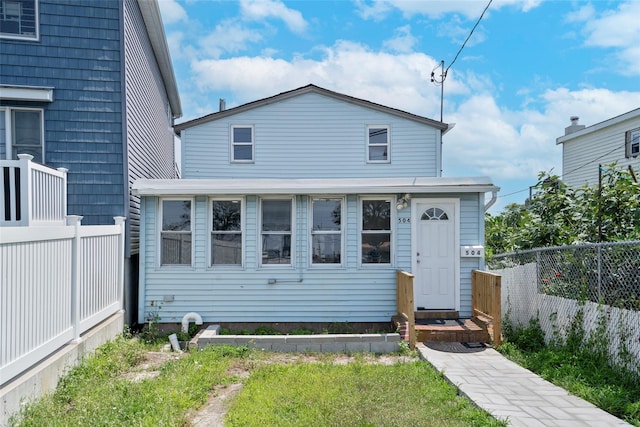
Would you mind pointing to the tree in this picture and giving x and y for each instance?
(558, 215)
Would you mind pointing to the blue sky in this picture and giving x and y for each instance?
(528, 66)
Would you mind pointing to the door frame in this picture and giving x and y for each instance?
(415, 218)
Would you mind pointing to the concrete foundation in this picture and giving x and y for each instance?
(326, 343)
(43, 377)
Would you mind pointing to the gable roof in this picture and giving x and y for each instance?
(310, 88)
(630, 115)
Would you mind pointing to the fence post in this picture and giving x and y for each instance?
(119, 220)
(599, 246)
(26, 188)
(75, 221)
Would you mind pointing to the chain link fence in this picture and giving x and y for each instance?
(607, 273)
(600, 283)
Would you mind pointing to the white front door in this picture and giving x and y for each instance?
(435, 255)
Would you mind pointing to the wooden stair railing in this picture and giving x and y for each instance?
(486, 302)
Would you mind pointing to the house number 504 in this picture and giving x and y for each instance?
(404, 220)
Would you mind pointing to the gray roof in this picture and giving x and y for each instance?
(304, 90)
(191, 187)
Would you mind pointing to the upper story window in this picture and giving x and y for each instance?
(21, 133)
(226, 232)
(378, 141)
(19, 19)
(242, 144)
(326, 231)
(276, 231)
(376, 231)
(632, 143)
(175, 235)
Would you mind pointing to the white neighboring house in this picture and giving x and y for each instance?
(584, 148)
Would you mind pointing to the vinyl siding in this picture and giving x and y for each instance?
(78, 54)
(302, 292)
(149, 136)
(310, 136)
(581, 155)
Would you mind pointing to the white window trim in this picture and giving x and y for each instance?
(8, 127)
(369, 145)
(341, 232)
(393, 220)
(293, 255)
(36, 36)
(160, 231)
(627, 142)
(242, 233)
(232, 144)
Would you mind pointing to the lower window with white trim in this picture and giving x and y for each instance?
(376, 233)
(176, 234)
(326, 231)
(276, 231)
(226, 232)
(21, 133)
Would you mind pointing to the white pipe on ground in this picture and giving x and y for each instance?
(189, 317)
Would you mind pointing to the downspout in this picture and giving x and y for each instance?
(494, 197)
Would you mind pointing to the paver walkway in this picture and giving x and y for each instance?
(511, 392)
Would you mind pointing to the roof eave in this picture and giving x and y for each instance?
(203, 187)
(153, 23)
(307, 89)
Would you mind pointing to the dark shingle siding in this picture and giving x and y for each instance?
(78, 54)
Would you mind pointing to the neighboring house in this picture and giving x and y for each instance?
(616, 140)
(88, 86)
(300, 208)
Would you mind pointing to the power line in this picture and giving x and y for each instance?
(468, 37)
(443, 75)
(592, 161)
(571, 171)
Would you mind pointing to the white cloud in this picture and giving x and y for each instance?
(615, 29)
(229, 36)
(258, 10)
(403, 41)
(397, 80)
(377, 10)
(172, 12)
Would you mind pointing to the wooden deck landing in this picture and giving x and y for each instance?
(451, 330)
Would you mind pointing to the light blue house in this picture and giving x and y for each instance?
(89, 86)
(301, 207)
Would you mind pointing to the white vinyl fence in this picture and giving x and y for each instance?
(56, 282)
(33, 194)
(555, 284)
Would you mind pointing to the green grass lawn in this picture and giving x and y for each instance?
(119, 386)
(585, 375)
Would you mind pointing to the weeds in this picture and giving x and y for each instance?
(579, 364)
